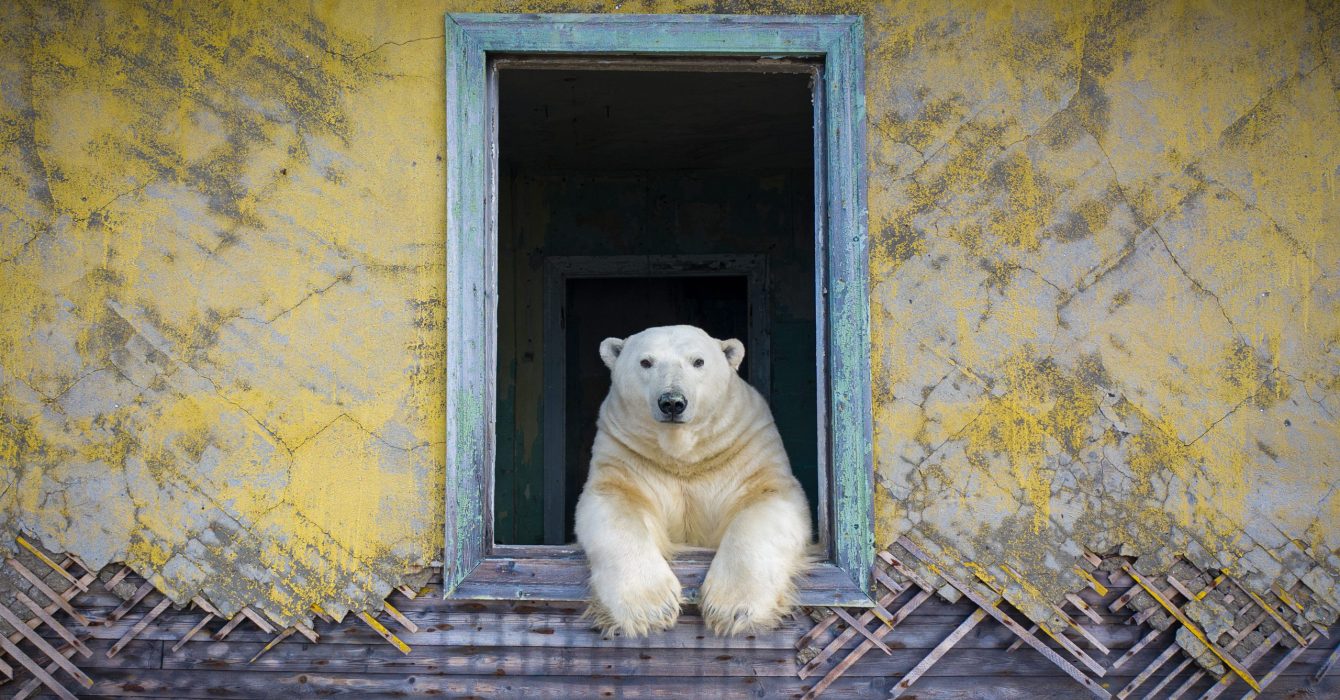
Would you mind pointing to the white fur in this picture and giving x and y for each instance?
(720, 479)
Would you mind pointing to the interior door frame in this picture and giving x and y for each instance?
(558, 270)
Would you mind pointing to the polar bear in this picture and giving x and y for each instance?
(686, 453)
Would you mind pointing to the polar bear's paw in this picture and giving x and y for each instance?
(739, 607)
(636, 608)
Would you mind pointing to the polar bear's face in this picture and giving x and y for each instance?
(678, 372)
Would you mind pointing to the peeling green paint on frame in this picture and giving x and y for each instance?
(842, 294)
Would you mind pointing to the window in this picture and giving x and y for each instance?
(539, 112)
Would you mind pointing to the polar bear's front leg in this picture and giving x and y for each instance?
(750, 583)
(633, 590)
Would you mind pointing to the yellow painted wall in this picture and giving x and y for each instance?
(1106, 240)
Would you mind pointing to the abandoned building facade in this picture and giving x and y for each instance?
(299, 309)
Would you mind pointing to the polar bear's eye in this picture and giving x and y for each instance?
(698, 362)
(646, 364)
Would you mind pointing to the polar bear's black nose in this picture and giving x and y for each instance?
(672, 403)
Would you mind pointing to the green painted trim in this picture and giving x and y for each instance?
(469, 404)
(472, 248)
(849, 308)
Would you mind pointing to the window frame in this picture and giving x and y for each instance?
(474, 568)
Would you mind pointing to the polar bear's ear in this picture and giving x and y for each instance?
(734, 351)
(610, 349)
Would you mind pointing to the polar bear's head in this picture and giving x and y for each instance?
(678, 372)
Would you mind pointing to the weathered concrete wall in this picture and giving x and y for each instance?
(1106, 311)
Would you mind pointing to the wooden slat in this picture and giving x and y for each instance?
(192, 632)
(819, 628)
(1171, 675)
(54, 566)
(307, 632)
(53, 596)
(1094, 584)
(1229, 678)
(1274, 614)
(862, 629)
(1180, 588)
(398, 617)
(907, 571)
(259, 621)
(205, 605)
(274, 642)
(895, 589)
(1192, 628)
(1326, 666)
(73, 671)
(920, 669)
(1279, 667)
(1009, 623)
(1123, 600)
(837, 643)
(1187, 685)
(228, 628)
(1142, 616)
(116, 578)
(55, 626)
(36, 669)
(36, 640)
(145, 589)
(1150, 636)
(1149, 670)
(1085, 608)
(1236, 638)
(139, 627)
(843, 666)
(384, 633)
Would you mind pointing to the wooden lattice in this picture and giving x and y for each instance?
(50, 666)
(1260, 624)
(1252, 612)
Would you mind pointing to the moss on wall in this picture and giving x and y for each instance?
(1105, 309)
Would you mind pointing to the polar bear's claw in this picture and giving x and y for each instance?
(636, 611)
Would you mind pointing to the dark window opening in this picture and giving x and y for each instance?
(689, 170)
